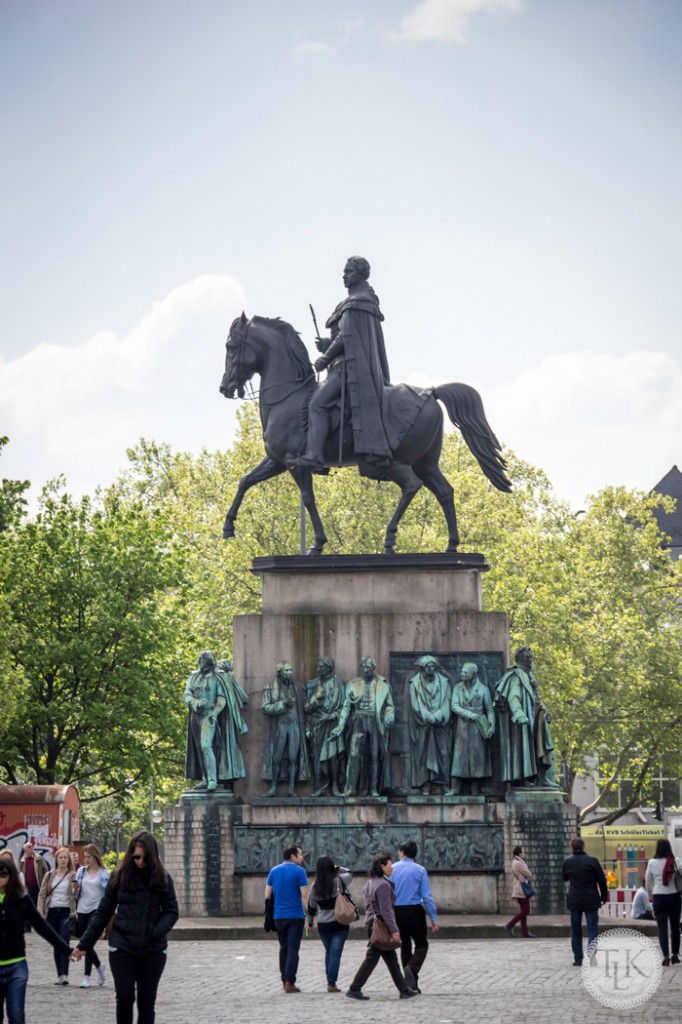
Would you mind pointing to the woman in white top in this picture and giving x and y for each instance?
(91, 882)
(57, 902)
(661, 874)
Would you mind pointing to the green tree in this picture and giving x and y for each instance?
(12, 501)
(94, 641)
(595, 596)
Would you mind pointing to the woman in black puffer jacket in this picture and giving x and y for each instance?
(142, 898)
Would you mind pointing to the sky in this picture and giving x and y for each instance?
(510, 168)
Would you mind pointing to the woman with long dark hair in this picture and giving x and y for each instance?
(17, 911)
(91, 884)
(378, 897)
(663, 874)
(329, 878)
(142, 896)
(57, 903)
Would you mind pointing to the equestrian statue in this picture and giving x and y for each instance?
(356, 417)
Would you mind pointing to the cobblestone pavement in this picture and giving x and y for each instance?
(476, 981)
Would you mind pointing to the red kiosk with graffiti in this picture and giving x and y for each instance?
(46, 816)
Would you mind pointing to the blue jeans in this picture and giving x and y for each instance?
(13, 981)
(289, 933)
(333, 943)
(58, 918)
(592, 922)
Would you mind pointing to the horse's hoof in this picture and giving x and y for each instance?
(451, 549)
(228, 532)
(314, 552)
(388, 550)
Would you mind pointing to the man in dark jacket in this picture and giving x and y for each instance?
(586, 893)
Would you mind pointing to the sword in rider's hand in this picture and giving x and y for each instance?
(317, 329)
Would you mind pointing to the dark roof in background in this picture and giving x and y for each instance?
(671, 522)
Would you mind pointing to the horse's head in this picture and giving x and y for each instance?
(260, 345)
(240, 359)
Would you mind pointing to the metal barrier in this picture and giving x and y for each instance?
(620, 903)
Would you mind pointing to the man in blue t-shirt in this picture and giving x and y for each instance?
(288, 883)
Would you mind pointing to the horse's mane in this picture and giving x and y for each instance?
(292, 340)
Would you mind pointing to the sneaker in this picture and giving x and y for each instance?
(86, 983)
(509, 931)
(357, 994)
(100, 974)
(674, 959)
(59, 979)
(529, 935)
(409, 993)
(65, 980)
(665, 963)
(411, 978)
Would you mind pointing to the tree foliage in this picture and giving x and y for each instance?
(12, 501)
(594, 594)
(106, 606)
(93, 630)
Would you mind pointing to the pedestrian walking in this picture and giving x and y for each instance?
(586, 892)
(34, 868)
(141, 895)
(329, 880)
(413, 901)
(520, 873)
(287, 883)
(57, 903)
(663, 879)
(91, 883)
(378, 898)
(17, 911)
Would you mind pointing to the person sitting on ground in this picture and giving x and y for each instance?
(642, 907)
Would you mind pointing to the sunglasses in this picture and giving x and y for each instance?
(4, 871)
(138, 856)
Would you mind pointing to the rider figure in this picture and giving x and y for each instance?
(356, 350)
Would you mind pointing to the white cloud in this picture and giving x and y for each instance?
(590, 420)
(310, 46)
(445, 20)
(74, 409)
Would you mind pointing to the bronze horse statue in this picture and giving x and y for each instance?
(273, 349)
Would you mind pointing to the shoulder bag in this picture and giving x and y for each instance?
(528, 888)
(381, 938)
(345, 911)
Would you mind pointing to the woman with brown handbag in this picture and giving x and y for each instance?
(330, 879)
(378, 897)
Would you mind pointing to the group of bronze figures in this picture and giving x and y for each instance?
(336, 734)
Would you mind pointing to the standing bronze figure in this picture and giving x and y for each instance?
(407, 420)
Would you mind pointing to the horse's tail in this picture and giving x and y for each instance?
(465, 409)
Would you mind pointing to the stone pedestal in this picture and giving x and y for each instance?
(394, 608)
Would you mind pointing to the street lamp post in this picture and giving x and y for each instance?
(118, 818)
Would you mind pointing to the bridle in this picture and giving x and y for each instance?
(242, 338)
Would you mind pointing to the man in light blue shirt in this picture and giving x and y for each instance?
(413, 900)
